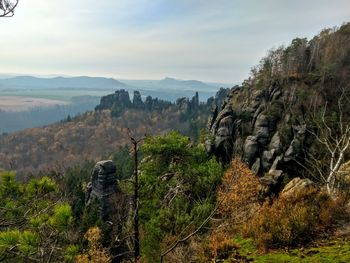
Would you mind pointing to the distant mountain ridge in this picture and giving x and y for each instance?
(166, 89)
(99, 82)
(62, 82)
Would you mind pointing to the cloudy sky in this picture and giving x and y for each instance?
(149, 39)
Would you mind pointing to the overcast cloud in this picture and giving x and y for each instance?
(189, 39)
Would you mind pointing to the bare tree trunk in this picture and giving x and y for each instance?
(336, 142)
(135, 144)
(136, 207)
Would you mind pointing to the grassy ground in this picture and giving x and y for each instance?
(337, 251)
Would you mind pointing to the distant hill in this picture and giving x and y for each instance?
(62, 82)
(166, 89)
(102, 82)
(175, 84)
(97, 134)
(171, 88)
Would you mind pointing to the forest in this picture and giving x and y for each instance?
(262, 176)
(13, 121)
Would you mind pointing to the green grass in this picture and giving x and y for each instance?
(54, 94)
(335, 252)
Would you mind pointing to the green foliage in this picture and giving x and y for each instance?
(62, 216)
(91, 216)
(335, 251)
(9, 239)
(31, 218)
(28, 242)
(177, 190)
(40, 187)
(71, 252)
(124, 163)
(169, 146)
(9, 187)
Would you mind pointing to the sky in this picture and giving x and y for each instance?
(208, 40)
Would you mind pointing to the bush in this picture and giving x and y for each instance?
(237, 203)
(220, 245)
(238, 194)
(293, 220)
(95, 252)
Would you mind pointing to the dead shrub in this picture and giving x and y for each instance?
(190, 251)
(293, 220)
(238, 194)
(220, 245)
(237, 203)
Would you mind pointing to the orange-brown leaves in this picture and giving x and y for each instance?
(239, 191)
(95, 252)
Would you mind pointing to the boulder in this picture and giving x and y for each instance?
(296, 186)
(270, 184)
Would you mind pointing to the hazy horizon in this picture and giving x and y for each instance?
(203, 40)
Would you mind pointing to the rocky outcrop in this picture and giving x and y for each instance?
(104, 190)
(120, 99)
(137, 101)
(264, 127)
(105, 199)
(187, 106)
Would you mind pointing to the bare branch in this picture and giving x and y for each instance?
(8, 7)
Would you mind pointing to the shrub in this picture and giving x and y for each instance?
(220, 245)
(95, 252)
(62, 216)
(238, 194)
(237, 202)
(293, 220)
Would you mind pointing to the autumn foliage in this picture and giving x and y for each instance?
(294, 220)
(237, 203)
(238, 193)
(95, 253)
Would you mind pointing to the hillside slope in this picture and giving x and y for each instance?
(97, 134)
(295, 95)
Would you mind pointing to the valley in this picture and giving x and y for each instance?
(146, 168)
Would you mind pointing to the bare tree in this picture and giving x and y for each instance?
(8, 7)
(135, 144)
(336, 141)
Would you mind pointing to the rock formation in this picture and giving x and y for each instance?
(263, 127)
(112, 206)
(119, 99)
(104, 189)
(137, 101)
